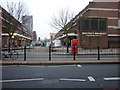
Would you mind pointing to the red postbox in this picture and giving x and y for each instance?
(74, 45)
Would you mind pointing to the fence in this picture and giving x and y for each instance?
(50, 53)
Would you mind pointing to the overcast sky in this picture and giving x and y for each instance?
(43, 10)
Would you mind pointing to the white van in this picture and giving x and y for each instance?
(56, 43)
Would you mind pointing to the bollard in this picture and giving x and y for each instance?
(25, 53)
(50, 53)
(98, 53)
(74, 54)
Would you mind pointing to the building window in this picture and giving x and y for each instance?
(86, 24)
(94, 24)
(102, 25)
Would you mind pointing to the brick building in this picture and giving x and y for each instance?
(98, 24)
(8, 24)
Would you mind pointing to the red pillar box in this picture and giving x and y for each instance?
(74, 42)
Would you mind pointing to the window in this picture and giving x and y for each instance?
(94, 24)
(86, 24)
(102, 25)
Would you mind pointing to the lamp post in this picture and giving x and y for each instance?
(13, 43)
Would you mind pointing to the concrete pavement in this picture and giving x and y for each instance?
(58, 61)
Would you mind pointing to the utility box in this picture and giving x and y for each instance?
(74, 45)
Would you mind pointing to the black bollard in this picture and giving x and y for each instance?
(25, 53)
(74, 54)
(50, 53)
(98, 53)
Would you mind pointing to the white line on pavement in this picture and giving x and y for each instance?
(8, 65)
(91, 78)
(62, 66)
(31, 66)
(53, 66)
(112, 78)
(20, 80)
(79, 65)
(68, 65)
(63, 79)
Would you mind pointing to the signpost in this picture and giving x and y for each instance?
(74, 45)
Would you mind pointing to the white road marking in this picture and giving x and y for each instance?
(62, 66)
(112, 78)
(79, 65)
(8, 65)
(20, 80)
(91, 78)
(63, 79)
(31, 66)
(68, 65)
(53, 66)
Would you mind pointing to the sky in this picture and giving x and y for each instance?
(43, 10)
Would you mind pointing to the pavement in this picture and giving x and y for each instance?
(55, 61)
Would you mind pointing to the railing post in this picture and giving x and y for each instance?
(25, 53)
(50, 53)
(98, 53)
(74, 54)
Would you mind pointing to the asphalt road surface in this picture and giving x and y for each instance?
(61, 76)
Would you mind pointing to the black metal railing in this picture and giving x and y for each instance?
(51, 53)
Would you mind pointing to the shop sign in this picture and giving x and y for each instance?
(93, 33)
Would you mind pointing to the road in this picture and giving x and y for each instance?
(61, 76)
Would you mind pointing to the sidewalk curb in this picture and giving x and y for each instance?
(59, 63)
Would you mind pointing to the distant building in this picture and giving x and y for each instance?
(39, 39)
(34, 36)
(27, 21)
(52, 36)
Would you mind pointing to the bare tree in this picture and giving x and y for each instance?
(18, 11)
(60, 22)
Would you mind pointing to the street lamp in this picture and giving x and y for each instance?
(13, 43)
(13, 37)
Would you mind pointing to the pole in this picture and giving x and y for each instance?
(25, 53)
(74, 53)
(98, 53)
(50, 53)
